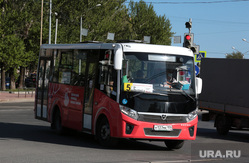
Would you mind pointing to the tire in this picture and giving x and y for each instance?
(103, 134)
(57, 123)
(222, 124)
(174, 144)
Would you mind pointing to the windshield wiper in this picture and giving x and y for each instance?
(187, 95)
(137, 94)
(160, 94)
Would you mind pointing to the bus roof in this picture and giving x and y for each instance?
(151, 48)
(127, 47)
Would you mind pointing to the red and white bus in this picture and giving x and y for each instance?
(119, 90)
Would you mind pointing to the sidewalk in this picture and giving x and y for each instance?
(17, 97)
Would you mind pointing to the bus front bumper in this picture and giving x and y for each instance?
(147, 130)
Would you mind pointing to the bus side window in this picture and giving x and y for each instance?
(79, 68)
(108, 75)
(56, 67)
(65, 67)
(108, 80)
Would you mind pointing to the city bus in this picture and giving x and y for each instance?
(119, 90)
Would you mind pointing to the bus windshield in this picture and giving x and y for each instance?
(158, 73)
(151, 78)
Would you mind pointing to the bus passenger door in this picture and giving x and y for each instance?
(42, 88)
(91, 70)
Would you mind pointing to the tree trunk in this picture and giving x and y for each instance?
(3, 85)
(12, 79)
(21, 79)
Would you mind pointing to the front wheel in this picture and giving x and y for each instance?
(174, 144)
(104, 134)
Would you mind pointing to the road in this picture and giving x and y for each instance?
(24, 139)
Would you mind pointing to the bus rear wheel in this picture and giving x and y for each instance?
(57, 123)
(103, 134)
(174, 144)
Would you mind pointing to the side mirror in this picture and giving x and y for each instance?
(198, 85)
(118, 57)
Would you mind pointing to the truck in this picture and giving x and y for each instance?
(225, 93)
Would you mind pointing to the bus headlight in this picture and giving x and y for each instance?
(129, 112)
(192, 115)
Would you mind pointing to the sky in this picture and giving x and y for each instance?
(218, 25)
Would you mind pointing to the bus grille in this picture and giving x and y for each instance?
(151, 132)
(158, 119)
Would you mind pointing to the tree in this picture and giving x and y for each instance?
(18, 42)
(98, 20)
(12, 54)
(107, 18)
(235, 55)
(133, 22)
(11, 46)
(145, 22)
(20, 26)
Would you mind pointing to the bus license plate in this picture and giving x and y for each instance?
(163, 128)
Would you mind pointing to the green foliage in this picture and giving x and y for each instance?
(99, 20)
(18, 29)
(21, 21)
(134, 22)
(12, 51)
(145, 22)
(235, 55)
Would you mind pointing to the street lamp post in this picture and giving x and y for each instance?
(245, 40)
(80, 29)
(98, 5)
(243, 54)
(56, 28)
(235, 49)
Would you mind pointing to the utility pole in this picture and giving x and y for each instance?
(81, 21)
(56, 28)
(41, 22)
(81, 29)
(50, 19)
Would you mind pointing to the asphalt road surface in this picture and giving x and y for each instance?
(24, 139)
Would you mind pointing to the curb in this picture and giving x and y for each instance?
(7, 97)
(17, 100)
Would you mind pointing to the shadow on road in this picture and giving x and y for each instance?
(71, 138)
(238, 136)
(209, 131)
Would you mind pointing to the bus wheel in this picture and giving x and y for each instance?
(57, 123)
(103, 134)
(222, 124)
(174, 144)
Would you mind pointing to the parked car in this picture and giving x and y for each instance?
(7, 82)
(31, 81)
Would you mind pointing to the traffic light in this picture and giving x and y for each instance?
(188, 40)
(189, 43)
(188, 25)
(195, 49)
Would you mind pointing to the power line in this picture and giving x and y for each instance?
(222, 32)
(186, 2)
(210, 20)
(199, 20)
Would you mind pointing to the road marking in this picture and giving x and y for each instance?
(202, 160)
